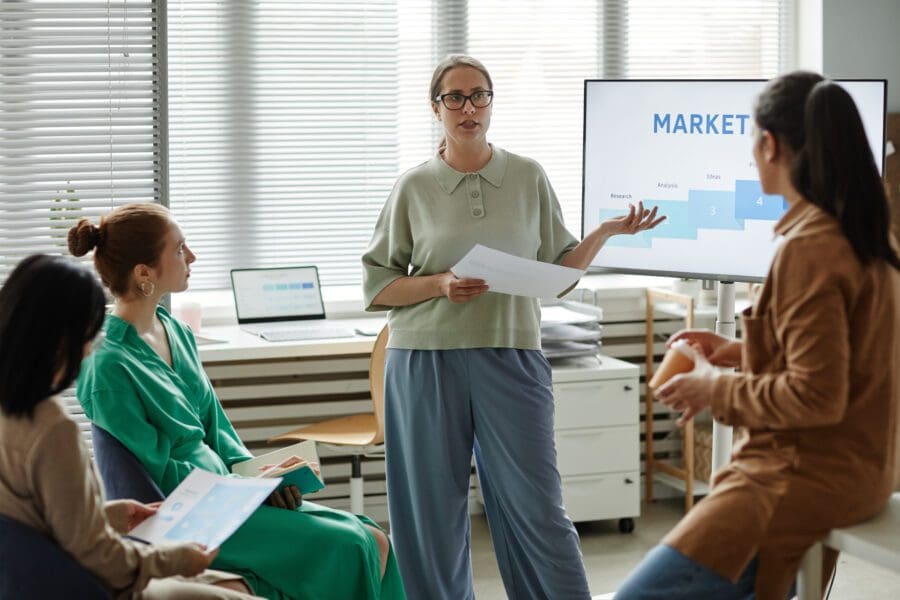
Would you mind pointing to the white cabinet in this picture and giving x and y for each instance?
(598, 439)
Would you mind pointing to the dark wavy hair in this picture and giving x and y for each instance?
(50, 308)
(833, 165)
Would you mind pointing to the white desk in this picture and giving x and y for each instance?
(238, 345)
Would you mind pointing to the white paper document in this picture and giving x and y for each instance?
(508, 274)
(569, 311)
(205, 508)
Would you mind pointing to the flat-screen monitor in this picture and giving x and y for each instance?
(686, 147)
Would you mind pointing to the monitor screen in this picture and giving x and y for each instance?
(685, 146)
(277, 294)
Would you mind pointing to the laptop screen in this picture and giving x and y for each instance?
(279, 294)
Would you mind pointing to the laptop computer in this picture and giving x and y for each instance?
(283, 304)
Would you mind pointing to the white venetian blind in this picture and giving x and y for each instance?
(290, 121)
(540, 51)
(283, 131)
(79, 127)
(709, 38)
(539, 54)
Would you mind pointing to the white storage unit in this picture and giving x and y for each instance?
(598, 439)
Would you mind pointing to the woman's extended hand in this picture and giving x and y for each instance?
(125, 515)
(690, 392)
(718, 350)
(287, 497)
(637, 219)
(460, 290)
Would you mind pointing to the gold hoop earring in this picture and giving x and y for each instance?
(143, 287)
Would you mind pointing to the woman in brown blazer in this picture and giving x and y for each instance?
(814, 405)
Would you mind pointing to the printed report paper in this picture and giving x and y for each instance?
(508, 274)
(205, 508)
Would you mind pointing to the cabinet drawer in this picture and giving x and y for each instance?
(595, 497)
(596, 403)
(588, 451)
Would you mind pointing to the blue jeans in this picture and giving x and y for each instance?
(667, 574)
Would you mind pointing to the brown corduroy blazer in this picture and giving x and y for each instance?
(814, 408)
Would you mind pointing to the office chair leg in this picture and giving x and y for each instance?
(356, 486)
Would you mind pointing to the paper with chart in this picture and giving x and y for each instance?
(205, 508)
(508, 274)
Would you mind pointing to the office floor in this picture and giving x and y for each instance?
(609, 556)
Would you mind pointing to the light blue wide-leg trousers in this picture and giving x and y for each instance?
(440, 406)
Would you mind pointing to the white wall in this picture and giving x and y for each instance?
(861, 38)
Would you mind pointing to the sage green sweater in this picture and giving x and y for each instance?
(433, 217)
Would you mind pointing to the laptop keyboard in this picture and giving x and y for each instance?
(306, 333)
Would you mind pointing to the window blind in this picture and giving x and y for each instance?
(79, 117)
(283, 131)
(539, 52)
(708, 38)
(539, 56)
(290, 121)
(79, 122)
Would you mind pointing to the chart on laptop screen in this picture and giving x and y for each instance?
(277, 293)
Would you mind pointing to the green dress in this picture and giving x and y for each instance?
(171, 419)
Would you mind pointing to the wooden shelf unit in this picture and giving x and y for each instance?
(681, 478)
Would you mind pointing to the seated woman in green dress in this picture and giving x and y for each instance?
(145, 385)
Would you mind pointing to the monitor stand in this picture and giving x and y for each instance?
(725, 325)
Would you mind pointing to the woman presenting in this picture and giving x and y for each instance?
(464, 369)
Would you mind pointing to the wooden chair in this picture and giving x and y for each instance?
(361, 434)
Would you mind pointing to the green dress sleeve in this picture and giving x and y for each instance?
(389, 253)
(121, 413)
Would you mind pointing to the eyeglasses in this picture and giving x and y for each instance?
(454, 101)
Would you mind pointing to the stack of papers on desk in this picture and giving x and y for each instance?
(570, 330)
(555, 334)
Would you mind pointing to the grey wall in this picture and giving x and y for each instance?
(861, 38)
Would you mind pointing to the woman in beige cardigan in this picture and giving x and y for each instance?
(815, 401)
(50, 310)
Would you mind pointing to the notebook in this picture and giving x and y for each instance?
(283, 304)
